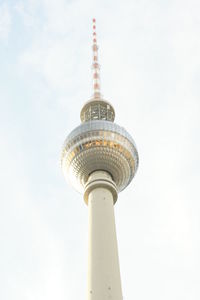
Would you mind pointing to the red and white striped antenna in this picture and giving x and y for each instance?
(95, 64)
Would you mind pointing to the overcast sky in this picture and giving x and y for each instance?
(150, 71)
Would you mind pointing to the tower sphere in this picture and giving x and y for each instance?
(99, 144)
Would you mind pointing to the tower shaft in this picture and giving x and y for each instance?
(103, 264)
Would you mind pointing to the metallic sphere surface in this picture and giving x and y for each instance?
(99, 145)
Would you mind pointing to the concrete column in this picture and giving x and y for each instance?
(103, 263)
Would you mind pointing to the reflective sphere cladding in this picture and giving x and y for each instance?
(99, 145)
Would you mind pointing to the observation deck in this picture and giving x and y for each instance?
(97, 109)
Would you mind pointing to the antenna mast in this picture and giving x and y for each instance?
(95, 64)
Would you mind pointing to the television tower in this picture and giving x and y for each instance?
(100, 158)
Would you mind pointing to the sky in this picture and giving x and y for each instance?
(150, 72)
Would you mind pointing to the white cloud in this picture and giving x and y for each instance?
(5, 21)
(50, 59)
(29, 11)
(55, 47)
